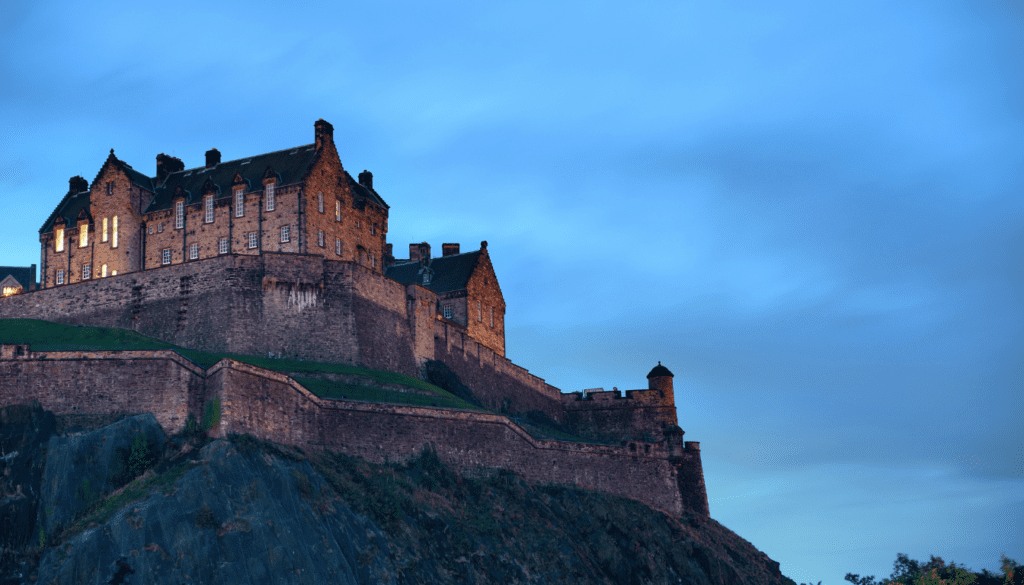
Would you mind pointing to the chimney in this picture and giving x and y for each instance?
(166, 165)
(449, 249)
(324, 133)
(77, 184)
(366, 179)
(419, 252)
(212, 158)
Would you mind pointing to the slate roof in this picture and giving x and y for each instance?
(450, 272)
(290, 166)
(25, 275)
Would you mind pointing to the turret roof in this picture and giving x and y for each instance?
(660, 371)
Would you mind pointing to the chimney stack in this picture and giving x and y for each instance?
(366, 179)
(419, 252)
(166, 165)
(449, 249)
(77, 184)
(212, 158)
(324, 133)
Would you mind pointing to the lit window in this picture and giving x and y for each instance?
(103, 271)
(320, 202)
(447, 311)
(179, 215)
(104, 229)
(209, 209)
(337, 246)
(270, 197)
(10, 290)
(252, 239)
(59, 239)
(320, 238)
(114, 273)
(166, 256)
(193, 251)
(60, 277)
(222, 246)
(239, 203)
(337, 211)
(114, 243)
(286, 233)
(83, 236)
(86, 271)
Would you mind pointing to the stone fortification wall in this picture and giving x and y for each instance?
(159, 382)
(273, 406)
(495, 380)
(610, 415)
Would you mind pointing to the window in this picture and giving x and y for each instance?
(59, 239)
(179, 215)
(337, 246)
(491, 311)
(103, 271)
(222, 246)
(114, 243)
(83, 235)
(104, 229)
(86, 271)
(479, 312)
(373, 261)
(337, 210)
(252, 239)
(373, 229)
(239, 203)
(286, 233)
(110, 187)
(320, 238)
(193, 251)
(320, 202)
(60, 277)
(165, 256)
(150, 228)
(160, 228)
(270, 197)
(209, 209)
(114, 273)
(447, 311)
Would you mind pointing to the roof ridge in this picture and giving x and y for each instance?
(203, 168)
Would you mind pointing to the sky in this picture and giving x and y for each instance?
(811, 212)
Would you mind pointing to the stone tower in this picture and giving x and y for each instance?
(660, 380)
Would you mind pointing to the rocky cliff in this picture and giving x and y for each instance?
(125, 504)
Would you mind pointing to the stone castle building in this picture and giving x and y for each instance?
(284, 254)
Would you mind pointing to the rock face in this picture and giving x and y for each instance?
(243, 511)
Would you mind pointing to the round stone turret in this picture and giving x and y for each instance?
(660, 379)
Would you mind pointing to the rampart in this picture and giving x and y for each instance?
(637, 414)
(665, 475)
(293, 306)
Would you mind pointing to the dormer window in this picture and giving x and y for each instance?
(270, 197)
(426, 278)
(83, 235)
(179, 215)
(239, 203)
(58, 238)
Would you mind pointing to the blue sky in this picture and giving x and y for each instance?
(810, 212)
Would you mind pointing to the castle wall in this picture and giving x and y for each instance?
(161, 382)
(495, 380)
(610, 415)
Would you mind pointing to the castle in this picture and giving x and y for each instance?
(285, 255)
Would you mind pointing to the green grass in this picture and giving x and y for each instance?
(46, 336)
(339, 390)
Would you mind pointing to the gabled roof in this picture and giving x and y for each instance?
(24, 275)
(360, 190)
(289, 165)
(450, 273)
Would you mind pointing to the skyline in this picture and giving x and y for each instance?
(810, 214)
